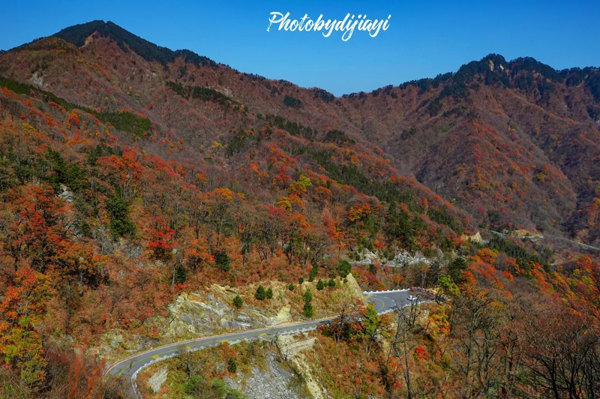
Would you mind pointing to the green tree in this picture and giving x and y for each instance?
(456, 268)
(238, 302)
(308, 310)
(232, 366)
(344, 268)
(448, 286)
(120, 225)
(331, 283)
(291, 286)
(260, 293)
(320, 285)
(180, 274)
(313, 273)
(222, 260)
(308, 297)
(269, 293)
(371, 322)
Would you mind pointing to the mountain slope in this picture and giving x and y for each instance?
(131, 174)
(515, 138)
(513, 143)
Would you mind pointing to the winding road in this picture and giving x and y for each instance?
(383, 302)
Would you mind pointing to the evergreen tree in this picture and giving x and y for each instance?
(308, 297)
(456, 268)
(434, 273)
(331, 283)
(180, 274)
(269, 293)
(232, 366)
(120, 224)
(222, 260)
(308, 310)
(291, 287)
(260, 294)
(238, 302)
(344, 268)
(313, 273)
(320, 285)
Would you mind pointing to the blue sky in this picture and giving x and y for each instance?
(426, 37)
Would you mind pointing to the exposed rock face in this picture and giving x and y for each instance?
(66, 194)
(207, 315)
(401, 259)
(475, 237)
(353, 288)
(273, 383)
(291, 349)
(158, 379)
(284, 315)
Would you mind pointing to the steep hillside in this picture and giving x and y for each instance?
(515, 143)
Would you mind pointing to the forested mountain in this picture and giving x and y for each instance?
(130, 173)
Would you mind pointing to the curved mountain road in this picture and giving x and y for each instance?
(383, 302)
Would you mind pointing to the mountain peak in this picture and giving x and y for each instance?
(77, 35)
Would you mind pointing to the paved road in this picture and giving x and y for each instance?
(387, 301)
(382, 301)
(539, 236)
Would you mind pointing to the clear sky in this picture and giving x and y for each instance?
(425, 37)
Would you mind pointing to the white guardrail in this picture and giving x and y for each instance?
(382, 292)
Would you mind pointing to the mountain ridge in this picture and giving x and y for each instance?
(402, 120)
(147, 197)
(76, 35)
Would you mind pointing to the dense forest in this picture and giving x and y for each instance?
(130, 174)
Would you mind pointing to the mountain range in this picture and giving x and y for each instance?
(149, 196)
(514, 144)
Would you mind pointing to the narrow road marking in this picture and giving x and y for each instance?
(379, 301)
